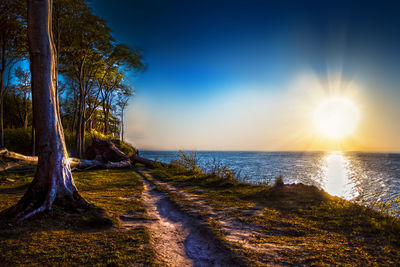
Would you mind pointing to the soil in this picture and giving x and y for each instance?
(178, 239)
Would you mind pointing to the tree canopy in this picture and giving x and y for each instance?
(91, 67)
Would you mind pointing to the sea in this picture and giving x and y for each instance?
(363, 176)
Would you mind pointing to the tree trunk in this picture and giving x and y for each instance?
(33, 139)
(1, 110)
(80, 129)
(122, 125)
(106, 123)
(105, 129)
(2, 70)
(53, 182)
(26, 112)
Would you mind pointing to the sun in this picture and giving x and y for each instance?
(336, 117)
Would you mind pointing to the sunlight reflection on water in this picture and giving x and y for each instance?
(336, 171)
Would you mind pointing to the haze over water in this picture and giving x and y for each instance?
(372, 176)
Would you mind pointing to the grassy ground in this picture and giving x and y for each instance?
(92, 238)
(305, 225)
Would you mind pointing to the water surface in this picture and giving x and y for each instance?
(346, 174)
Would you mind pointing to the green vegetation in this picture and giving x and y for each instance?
(301, 224)
(91, 238)
(20, 140)
(92, 89)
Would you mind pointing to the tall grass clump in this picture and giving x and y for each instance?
(190, 162)
(187, 161)
(216, 168)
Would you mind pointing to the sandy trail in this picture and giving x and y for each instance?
(177, 238)
(235, 231)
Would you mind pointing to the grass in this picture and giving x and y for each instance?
(61, 238)
(301, 224)
(298, 224)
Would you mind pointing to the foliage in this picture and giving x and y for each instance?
(188, 161)
(127, 149)
(216, 168)
(93, 91)
(18, 140)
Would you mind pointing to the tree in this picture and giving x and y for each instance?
(12, 44)
(122, 102)
(53, 181)
(22, 90)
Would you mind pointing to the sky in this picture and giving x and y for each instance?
(249, 74)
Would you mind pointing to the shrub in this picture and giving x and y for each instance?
(18, 140)
(216, 168)
(188, 161)
(279, 181)
(70, 142)
(127, 149)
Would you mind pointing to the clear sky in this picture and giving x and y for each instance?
(249, 74)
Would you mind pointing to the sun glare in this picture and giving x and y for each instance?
(336, 117)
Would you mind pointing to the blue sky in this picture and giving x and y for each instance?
(213, 65)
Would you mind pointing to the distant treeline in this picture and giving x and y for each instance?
(93, 92)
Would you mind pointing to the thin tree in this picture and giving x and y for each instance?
(12, 44)
(53, 182)
(122, 102)
(22, 90)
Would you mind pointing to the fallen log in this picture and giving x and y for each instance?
(9, 165)
(144, 161)
(75, 163)
(105, 150)
(16, 156)
(21, 169)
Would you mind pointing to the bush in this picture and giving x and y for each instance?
(279, 181)
(18, 140)
(70, 142)
(127, 149)
(218, 169)
(188, 161)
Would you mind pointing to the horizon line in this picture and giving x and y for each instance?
(226, 150)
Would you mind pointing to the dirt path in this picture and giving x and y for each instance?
(235, 231)
(177, 238)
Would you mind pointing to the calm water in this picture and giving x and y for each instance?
(346, 174)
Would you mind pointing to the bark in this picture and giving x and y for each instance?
(53, 181)
(105, 114)
(1, 111)
(33, 139)
(16, 156)
(25, 113)
(2, 70)
(80, 130)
